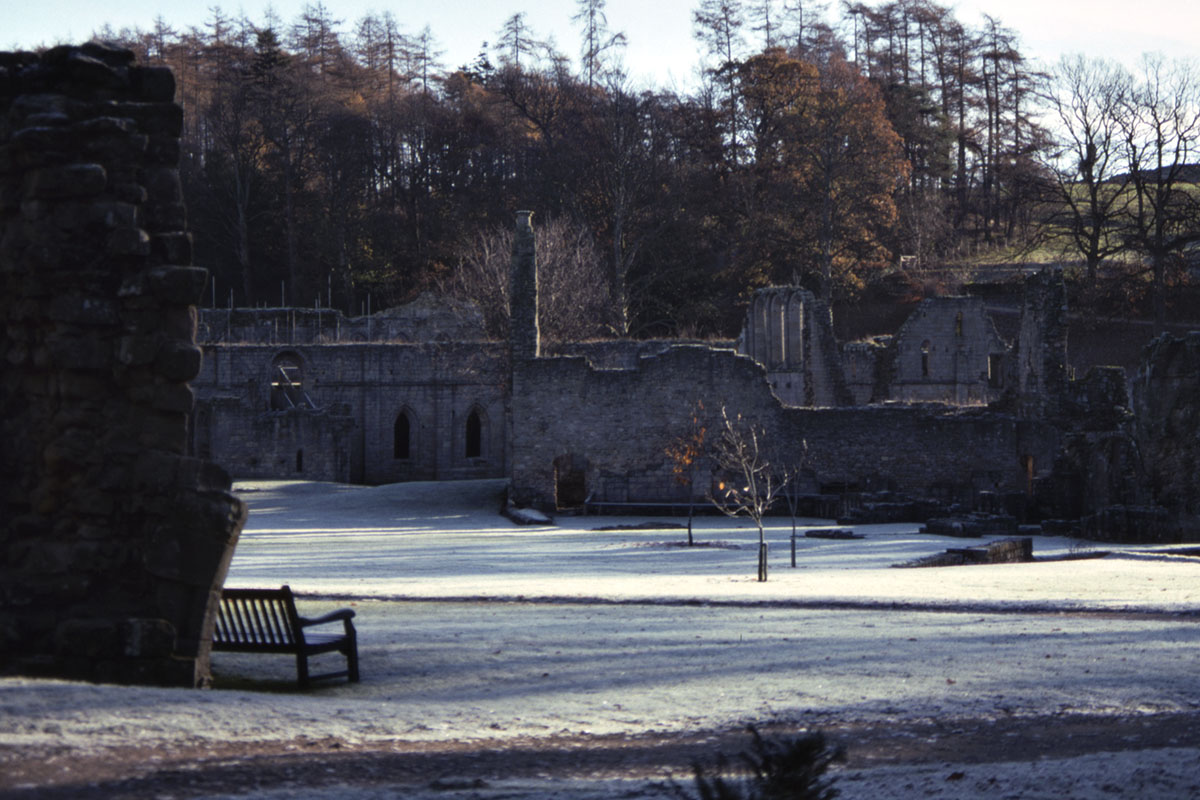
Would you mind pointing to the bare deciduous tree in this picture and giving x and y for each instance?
(573, 295)
(1161, 131)
(750, 484)
(1090, 186)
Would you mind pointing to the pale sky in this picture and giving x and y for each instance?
(660, 50)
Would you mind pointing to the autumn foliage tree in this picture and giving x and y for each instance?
(822, 170)
(686, 454)
(341, 161)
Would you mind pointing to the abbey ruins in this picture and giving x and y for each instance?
(119, 525)
(945, 410)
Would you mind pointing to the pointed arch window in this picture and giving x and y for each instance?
(402, 437)
(474, 434)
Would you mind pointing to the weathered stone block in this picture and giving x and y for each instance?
(109, 53)
(178, 361)
(79, 352)
(160, 430)
(79, 310)
(156, 119)
(137, 350)
(148, 638)
(90, 638)
(129, 242)
(173, 248)
(163, 186)
(74, 180)
(165, 216)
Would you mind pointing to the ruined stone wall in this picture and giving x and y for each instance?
(524, 326)
(948, 351)
(1040, 375)
(789, 332)
(1166, 404)
(114, 543)
(615, 353)
(619, 424)
(358, 392)
(301, 444)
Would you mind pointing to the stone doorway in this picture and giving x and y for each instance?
(570, 482)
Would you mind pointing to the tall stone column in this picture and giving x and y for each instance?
(114, 543)
(525, 338)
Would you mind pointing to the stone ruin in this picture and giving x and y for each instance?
(115, 542)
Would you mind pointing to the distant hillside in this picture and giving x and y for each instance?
(1188, 173)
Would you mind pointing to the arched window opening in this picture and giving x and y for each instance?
(300, 460)
(925, 359)
(474, 435)
(287, 384)
(402, 437)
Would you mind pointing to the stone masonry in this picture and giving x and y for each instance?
(1167, 414)
(789, 332)
(368, 413)
(114, 543)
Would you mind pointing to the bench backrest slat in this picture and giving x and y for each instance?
(253, 616)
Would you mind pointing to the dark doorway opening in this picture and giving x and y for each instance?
(570, 482)
(474, 435)
(401, 433)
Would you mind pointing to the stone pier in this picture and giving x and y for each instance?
(114, 542)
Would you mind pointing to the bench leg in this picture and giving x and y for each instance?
(352, 658)
(302, 670)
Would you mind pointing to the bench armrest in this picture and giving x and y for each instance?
(345, 614)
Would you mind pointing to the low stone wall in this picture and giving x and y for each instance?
(429, 318)
(115, 543)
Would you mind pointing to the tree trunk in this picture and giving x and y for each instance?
(762, 554)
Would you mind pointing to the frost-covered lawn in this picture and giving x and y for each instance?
(472, 628)
(445, 540)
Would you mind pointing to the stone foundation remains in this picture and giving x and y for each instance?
(115, 542)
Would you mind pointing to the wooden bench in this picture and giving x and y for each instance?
(265, 621)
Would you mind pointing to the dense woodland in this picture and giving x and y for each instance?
(328, 161)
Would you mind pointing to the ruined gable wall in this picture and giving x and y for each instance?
(361, 389)
(961, 339)
(114, 545)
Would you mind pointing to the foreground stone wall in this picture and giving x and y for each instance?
(114, 543)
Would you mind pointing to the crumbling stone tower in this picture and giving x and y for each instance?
(523, 292)
(114, 543)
